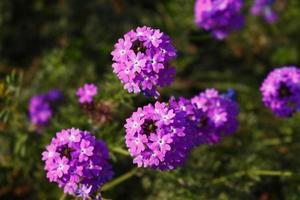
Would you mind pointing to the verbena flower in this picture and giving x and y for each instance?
(77, 162)
(41, 107)
(142, 60)
(264, 8)
(219, 16)
(156, 137)
(86, 93)
(190, 113)
(216, 116)
(281, 91)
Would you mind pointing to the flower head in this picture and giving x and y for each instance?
(264, 8)
(41, 107)
(215, 116)
(77, 162)
(281, 91)
(155, 137)
(86, 93)
(219, 16)
(142, 60)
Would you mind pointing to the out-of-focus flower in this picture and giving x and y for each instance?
(216, 116)
(264, 8)
(221, 17)
(41, 107)
(281, 91)
(86, 93)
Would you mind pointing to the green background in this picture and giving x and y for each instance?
(65, 43)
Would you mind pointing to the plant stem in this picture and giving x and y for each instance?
(272, 173)
(119, 180)
(253, 173)
(120, 151)
(63, 196)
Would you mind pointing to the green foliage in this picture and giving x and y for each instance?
(63, 44)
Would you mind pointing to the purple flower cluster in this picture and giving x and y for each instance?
(142, 60)
(281, 91)
(216, 116)
(41, 107)
(156, 137)
(86, 93)
(77, 162)
(219, 16)
(161, 136)
(264, 8)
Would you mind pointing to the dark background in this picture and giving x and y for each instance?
(63, 44)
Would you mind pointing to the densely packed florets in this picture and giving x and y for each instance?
(219, 16)
(156, 137)
(86, 93)
(281, 91)
(142, 60)
(216, 116)
(190, 113)
(264, 8)
(41, 107)
(77, 162)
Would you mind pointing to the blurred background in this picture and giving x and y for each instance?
(64, 43)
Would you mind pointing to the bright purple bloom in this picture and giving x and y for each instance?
(156, 137)
(215, 116)
(219, 16)
(86, 93)
(142, 60)
(264, 8)
(84, 192)
(77, 162)
(41, 107)
(281, 91)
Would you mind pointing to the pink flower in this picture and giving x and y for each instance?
(62, 166)
(161, 142)
(141, 58)
(86, 150)
(74, 135)
(50, 153)
(86, 93)
(137, 61)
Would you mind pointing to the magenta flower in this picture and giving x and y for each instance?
(50, 153)
(142, 60)
(156, 137)
(74, 135)
(77, 162)
(264, 8)
(86, 93)
(137, 143)
(85, 150)
(160, 142)
(281, 91)
(221, 17)
(41, 107)
(215, 116)
(62, 166)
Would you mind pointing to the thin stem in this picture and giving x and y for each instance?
(253, 173)
(119, 180)
(272, 173)
(63, 196)
(120, 151)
